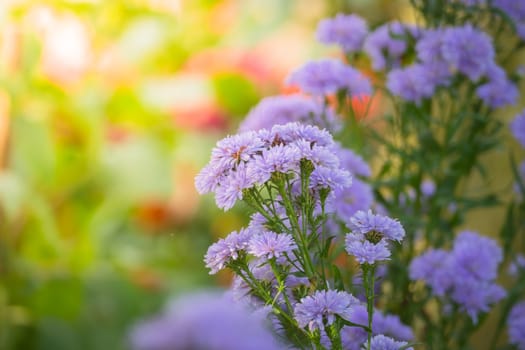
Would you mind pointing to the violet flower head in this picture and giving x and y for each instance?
(412, 83)
(325, 177)
(381, 342)
(323, 306)
(280, 158)
(475, 296)
(428, 47)
(517, 127)
(328, 76)
(347, 31)
(290, 108)
(432, 267)
(182, 323)
(232, 186)
(367, 223)
(386, 44)
(499, 91)
(476, 256)
(270, 245)
(466, 274)
(226, 249)
(366, 252)
(370, 235)
(516, 325)
(468, 50)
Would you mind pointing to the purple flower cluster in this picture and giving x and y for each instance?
(249, 159)
(222, 252)
(467, 50)
(412, 83)
(323, 307)
(270, 245)
(347, 31)
(385, 324)
(261, 244)
(226, 325)
(498, 91)
(466, 273)
(516, 325)
(329, 76)
(285, 109)
(370, 236)
(387, 44)
(441, 53)
(517, 128)
(381, 342)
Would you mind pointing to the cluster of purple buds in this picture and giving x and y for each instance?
(466, 274)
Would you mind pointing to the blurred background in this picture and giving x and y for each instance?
(107, 111)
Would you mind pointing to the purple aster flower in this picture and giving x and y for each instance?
(466, 273)
(381, 342)
(270, 245)
(232, 186)
(293, 132)
(234, 149)
(323, 306)
(412, 83)
(517, 127)
(182, 324)
(516, 325)
(278, 159)
(328, 76)
(468, 50)
(349, 200)
(209, 178)
(352, 162)
(347, 31)
(227, 249)
(474, 296)
(428, 47)
(498, 93)
(432, 267)
(367, 223)
(366, 252)
(318, 155)
(386, 44)
(476, 256)
(290, 108)
(325, 177)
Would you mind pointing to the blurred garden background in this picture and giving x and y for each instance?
(108, 109)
